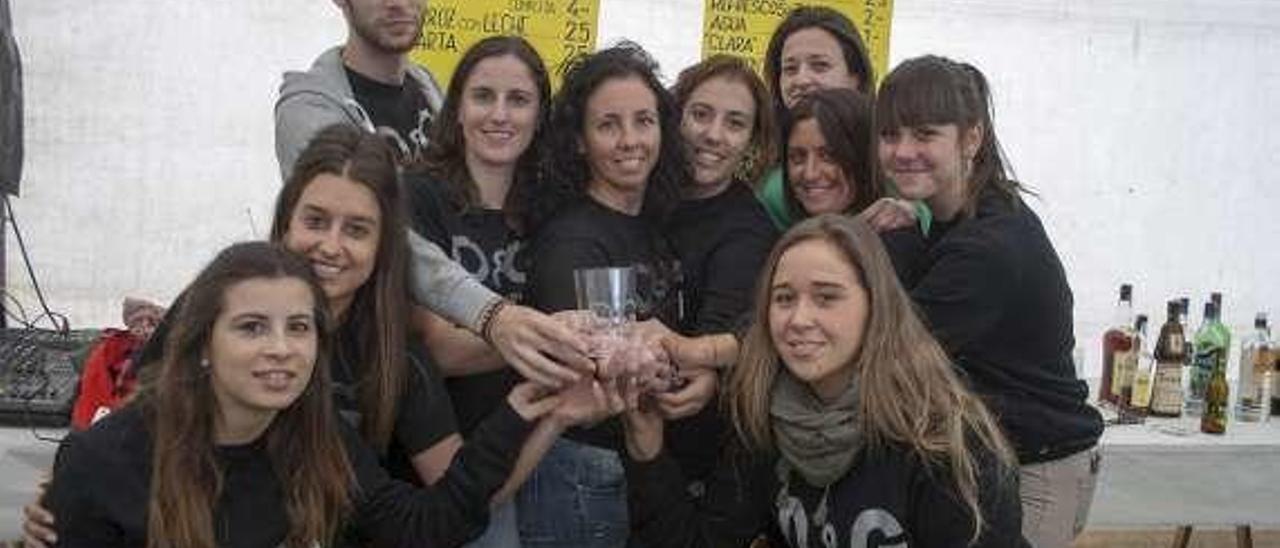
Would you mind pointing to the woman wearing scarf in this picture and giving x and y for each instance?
(852, 427)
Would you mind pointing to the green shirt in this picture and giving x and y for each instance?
(771, 195)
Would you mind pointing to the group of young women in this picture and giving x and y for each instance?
(894, 370)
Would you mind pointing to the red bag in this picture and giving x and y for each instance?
(107, 377)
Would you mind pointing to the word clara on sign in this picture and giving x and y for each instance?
(743, 27)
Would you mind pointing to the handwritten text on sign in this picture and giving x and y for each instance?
(558, 30)
(743, 27)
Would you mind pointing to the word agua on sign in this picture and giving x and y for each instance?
(537, 7)
(776, 8)
(730, 43)
(727, 23)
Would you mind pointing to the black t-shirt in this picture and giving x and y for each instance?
(722, 243)
(396, 111)
(423, 414)
(481, 241)
(586, 234)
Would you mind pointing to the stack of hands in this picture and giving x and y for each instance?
(600, 371)
(583, 372)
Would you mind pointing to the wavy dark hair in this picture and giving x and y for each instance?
(180, 409)
(566, 167)
(844, 118)
(856, 59)
(373, 328)
(764, 135)
(445, 157)
(931, 90)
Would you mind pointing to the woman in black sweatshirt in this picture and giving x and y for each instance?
(234, 440)
(852, 427)
(991, 285)
(615, 170)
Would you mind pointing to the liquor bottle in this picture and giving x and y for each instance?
(1127, 364)
(1216, 400)
(1211, 344)
(1184, 318)
(1222, 328)
(1117, 340)
(1254, 376)
(1170, 356)
(1140, 400)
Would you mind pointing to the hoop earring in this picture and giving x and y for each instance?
(747, 165)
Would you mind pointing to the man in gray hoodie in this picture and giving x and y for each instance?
(369, 82)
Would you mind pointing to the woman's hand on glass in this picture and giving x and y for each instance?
(698, 388)
(539, 347)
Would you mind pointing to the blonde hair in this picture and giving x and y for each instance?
(908, 392)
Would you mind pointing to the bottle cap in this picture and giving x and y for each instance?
(1260, 321)
(1126, 292)
(1141, 323)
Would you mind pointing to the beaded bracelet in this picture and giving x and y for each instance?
(488, 317)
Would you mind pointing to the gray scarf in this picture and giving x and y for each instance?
(817, 439)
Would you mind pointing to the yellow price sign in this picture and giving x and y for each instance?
(743, 27)
(558, 29)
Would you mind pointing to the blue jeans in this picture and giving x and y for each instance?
(575, 498)
(503, 530)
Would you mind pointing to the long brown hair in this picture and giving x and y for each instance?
(446, 153)
(935, 90)
(908, 393)
(179, 406)
(764, 134)
(844, 118)
(373, 327)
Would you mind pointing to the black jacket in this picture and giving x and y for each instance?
(889, 498)
(102, 478)
(992, 290)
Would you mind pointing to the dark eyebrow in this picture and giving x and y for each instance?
(254, 315)
(361, 219)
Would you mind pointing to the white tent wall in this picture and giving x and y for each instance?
(1145, 127)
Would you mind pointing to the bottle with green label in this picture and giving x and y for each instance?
(1212, 342)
